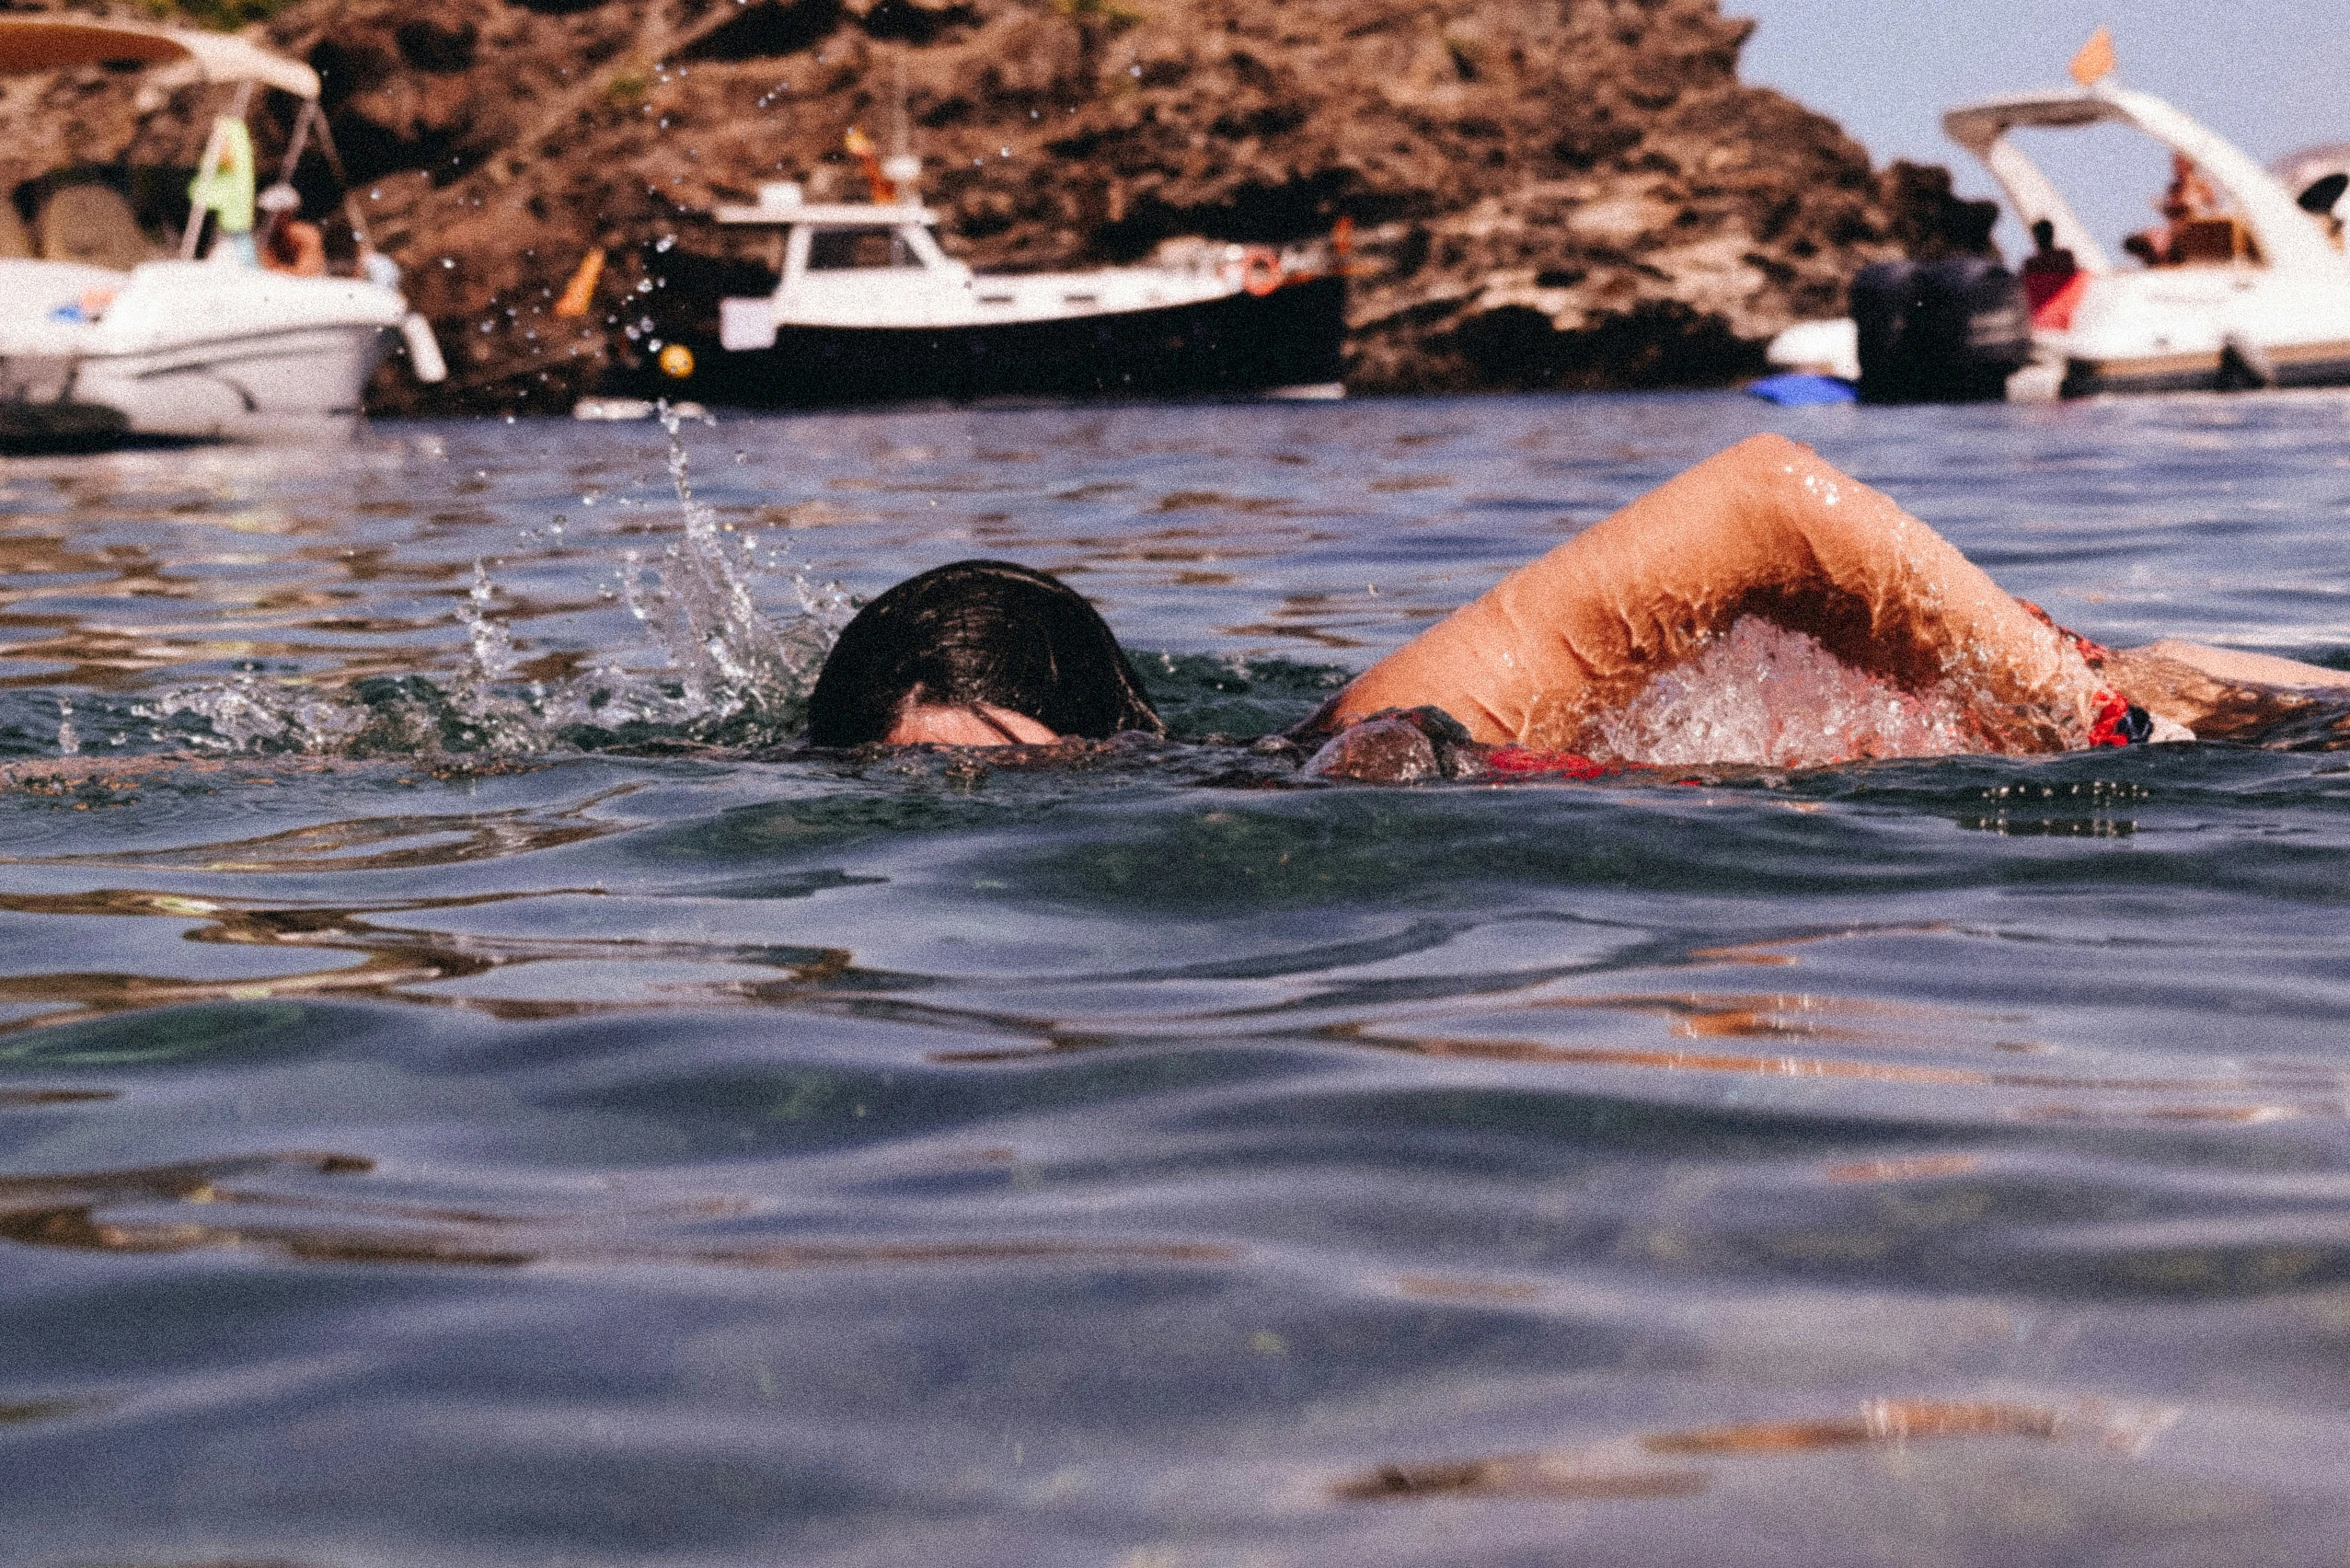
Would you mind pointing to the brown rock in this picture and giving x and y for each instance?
(1574, 193)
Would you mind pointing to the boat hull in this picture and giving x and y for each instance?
(296, 385)
(60, 425)
(2280, 364)
(1235, 343)
(185, 351)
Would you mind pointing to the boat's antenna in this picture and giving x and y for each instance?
(898, 137)
(334, 161)
(297, 143)
(903, 168)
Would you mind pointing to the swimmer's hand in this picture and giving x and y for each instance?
(1399, 746)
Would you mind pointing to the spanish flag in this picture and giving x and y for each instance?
(224, 180)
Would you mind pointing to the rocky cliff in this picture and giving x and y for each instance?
(1561, 193)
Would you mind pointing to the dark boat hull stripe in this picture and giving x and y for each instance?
(1240, 343)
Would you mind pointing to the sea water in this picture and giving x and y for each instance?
(472, 1091)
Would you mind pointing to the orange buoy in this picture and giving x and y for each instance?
(1260, 271)
(677, 361)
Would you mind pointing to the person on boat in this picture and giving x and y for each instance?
(2052, 279)
(2187, 199)
(985, 653)
(287, 243)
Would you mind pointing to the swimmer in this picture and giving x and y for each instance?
(982, 653)
(976, 653)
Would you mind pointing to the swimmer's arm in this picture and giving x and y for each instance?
(1766, 528)
(2220, 693)
(2231, 664)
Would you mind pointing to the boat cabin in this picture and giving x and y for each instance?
(842, 264)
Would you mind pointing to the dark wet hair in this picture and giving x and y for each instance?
(971, 632)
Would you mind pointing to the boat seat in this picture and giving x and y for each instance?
(92, 224)
(2212, 239)
(16, 241)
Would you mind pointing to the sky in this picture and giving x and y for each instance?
(2269, 75)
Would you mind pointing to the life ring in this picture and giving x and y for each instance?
(1260, 271)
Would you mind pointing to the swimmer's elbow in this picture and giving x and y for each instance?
(1771, 447)
(1773, 459)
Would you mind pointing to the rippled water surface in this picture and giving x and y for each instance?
(471, 1092)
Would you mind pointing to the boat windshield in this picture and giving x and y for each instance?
(844, 250)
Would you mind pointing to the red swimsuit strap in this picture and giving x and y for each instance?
(2120, 722)
(1519, 762)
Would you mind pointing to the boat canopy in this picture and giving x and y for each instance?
(2286, 235)
(29, 44)
(1975, 126)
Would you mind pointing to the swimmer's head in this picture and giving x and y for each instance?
(976, 653)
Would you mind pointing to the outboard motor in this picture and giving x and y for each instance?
(1948, 331)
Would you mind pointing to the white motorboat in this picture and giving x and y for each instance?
(868, 308)
(2254, 290)
(213, 348)
(2256, 293)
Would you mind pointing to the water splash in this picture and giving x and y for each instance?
(714, 666)
(250, 713)
(1768, 696)
(731, 657)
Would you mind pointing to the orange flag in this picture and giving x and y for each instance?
(582, 288)
(2095, 62)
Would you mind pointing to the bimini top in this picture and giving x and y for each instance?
(30, 44)
(1976, 126)
(2288, 238)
